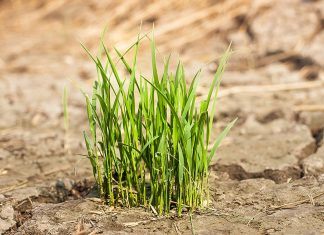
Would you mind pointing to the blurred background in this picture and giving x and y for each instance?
(274, 80)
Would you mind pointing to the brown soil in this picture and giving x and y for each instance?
(268, 176)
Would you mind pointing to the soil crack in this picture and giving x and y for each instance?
(236, 172)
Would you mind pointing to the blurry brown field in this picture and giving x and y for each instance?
(268, 176)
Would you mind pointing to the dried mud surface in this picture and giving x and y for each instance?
(268, 176)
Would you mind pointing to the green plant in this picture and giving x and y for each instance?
(66, 120)
(148, 141)
(65, 109)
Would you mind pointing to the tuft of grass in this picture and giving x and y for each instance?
(148, 141)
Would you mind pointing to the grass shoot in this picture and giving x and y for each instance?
(148, 140)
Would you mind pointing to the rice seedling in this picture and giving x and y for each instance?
(65, 109)
(148, 141)
(66, 118)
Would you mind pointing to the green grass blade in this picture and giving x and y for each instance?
(219, 71)
(65, 109)
(219, 139)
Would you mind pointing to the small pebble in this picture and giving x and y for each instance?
(65, 183)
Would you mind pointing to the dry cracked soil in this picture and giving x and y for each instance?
(268, 175)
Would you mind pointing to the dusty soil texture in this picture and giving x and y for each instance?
(268, 176)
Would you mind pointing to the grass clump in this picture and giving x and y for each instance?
(148, 142)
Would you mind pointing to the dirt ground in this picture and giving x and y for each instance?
(268, 176)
